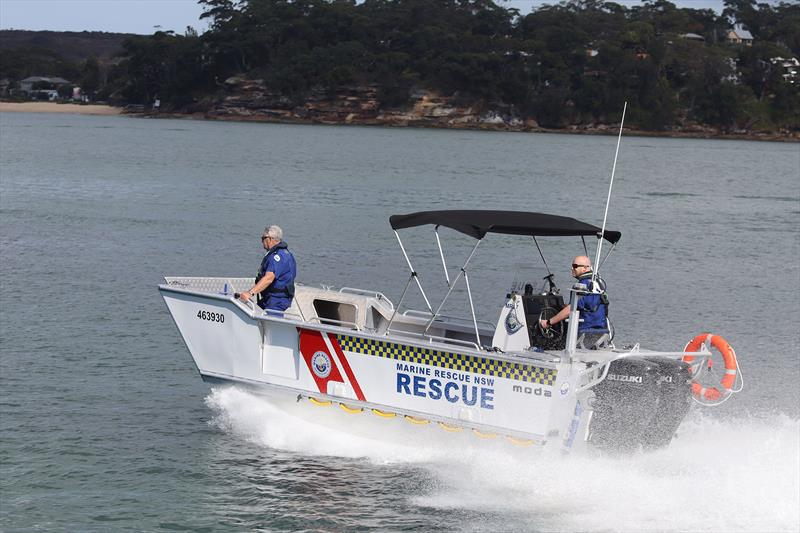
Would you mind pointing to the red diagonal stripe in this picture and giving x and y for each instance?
(346, 366)
(311, 342)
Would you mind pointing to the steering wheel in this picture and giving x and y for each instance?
(554, 332)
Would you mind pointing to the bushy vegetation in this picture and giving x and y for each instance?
(570, 63)
(80, 57)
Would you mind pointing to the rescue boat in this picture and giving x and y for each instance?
(355, 348)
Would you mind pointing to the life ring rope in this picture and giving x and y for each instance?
(732, 376)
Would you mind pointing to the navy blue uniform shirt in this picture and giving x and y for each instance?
(592, 309)
(280, 261)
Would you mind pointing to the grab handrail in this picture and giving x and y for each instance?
(441, 318)
(596, 381)
(453, 341)
(250, 304)
(366, 292)
(431, 338)
(412, 312)
(256, 312)
(283, 314)
(701, 354)
(335, 322)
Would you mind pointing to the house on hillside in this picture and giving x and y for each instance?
(789, 68)
(29, 85)
(739, 35)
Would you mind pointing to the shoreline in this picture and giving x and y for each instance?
(53, 107)
(612, 130)
(107, 110)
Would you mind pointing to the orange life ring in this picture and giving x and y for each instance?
(731, 367)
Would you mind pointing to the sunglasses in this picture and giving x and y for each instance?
(578, 266)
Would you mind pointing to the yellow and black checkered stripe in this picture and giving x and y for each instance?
(449, 360)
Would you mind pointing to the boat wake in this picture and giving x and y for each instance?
(262, 422)
(717, 475)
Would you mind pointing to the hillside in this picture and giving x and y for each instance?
(450, 63)
(71, 46)
(80, 57)
(561, 66)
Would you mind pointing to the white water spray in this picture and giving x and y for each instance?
(733, 475)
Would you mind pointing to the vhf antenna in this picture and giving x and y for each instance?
(608, 200)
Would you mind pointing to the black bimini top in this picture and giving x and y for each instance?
(477, 223)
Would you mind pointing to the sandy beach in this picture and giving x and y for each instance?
(52, 107)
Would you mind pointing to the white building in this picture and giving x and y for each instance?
(790, 68)
(26, 85)
(739, 35)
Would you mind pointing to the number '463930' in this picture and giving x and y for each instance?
(211, 316)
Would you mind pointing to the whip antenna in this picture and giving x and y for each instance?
(608, 200)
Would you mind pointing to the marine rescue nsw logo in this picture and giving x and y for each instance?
(321, 364)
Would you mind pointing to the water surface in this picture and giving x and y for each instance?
(105, 424)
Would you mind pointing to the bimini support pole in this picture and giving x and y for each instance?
(603, 262)
(413, 272)
(452, 286)
(574, 320)
(472, 309)
(549, 273)
(441, 254)
(608, 200)
(402, 296)
(549, 277)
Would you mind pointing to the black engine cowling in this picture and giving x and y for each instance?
(641, 403)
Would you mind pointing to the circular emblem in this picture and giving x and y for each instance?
(321, 364)
(512, 322)
(277, 258)
(564, 389)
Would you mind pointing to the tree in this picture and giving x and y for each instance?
(90, 80)
(65, 91)
(573, 62)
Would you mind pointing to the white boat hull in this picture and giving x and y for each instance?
(352, 348)
(522, 398)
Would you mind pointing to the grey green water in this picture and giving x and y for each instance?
(106, 426)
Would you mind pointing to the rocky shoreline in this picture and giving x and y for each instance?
(246, 100)
(574, 130)
(249, 100)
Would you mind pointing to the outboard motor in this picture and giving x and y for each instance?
(676, 398)
(641, 403)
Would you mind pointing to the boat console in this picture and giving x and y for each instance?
(541, 307)
(518, 328)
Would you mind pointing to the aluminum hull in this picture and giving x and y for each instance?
(526, 396)
(337, 347)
